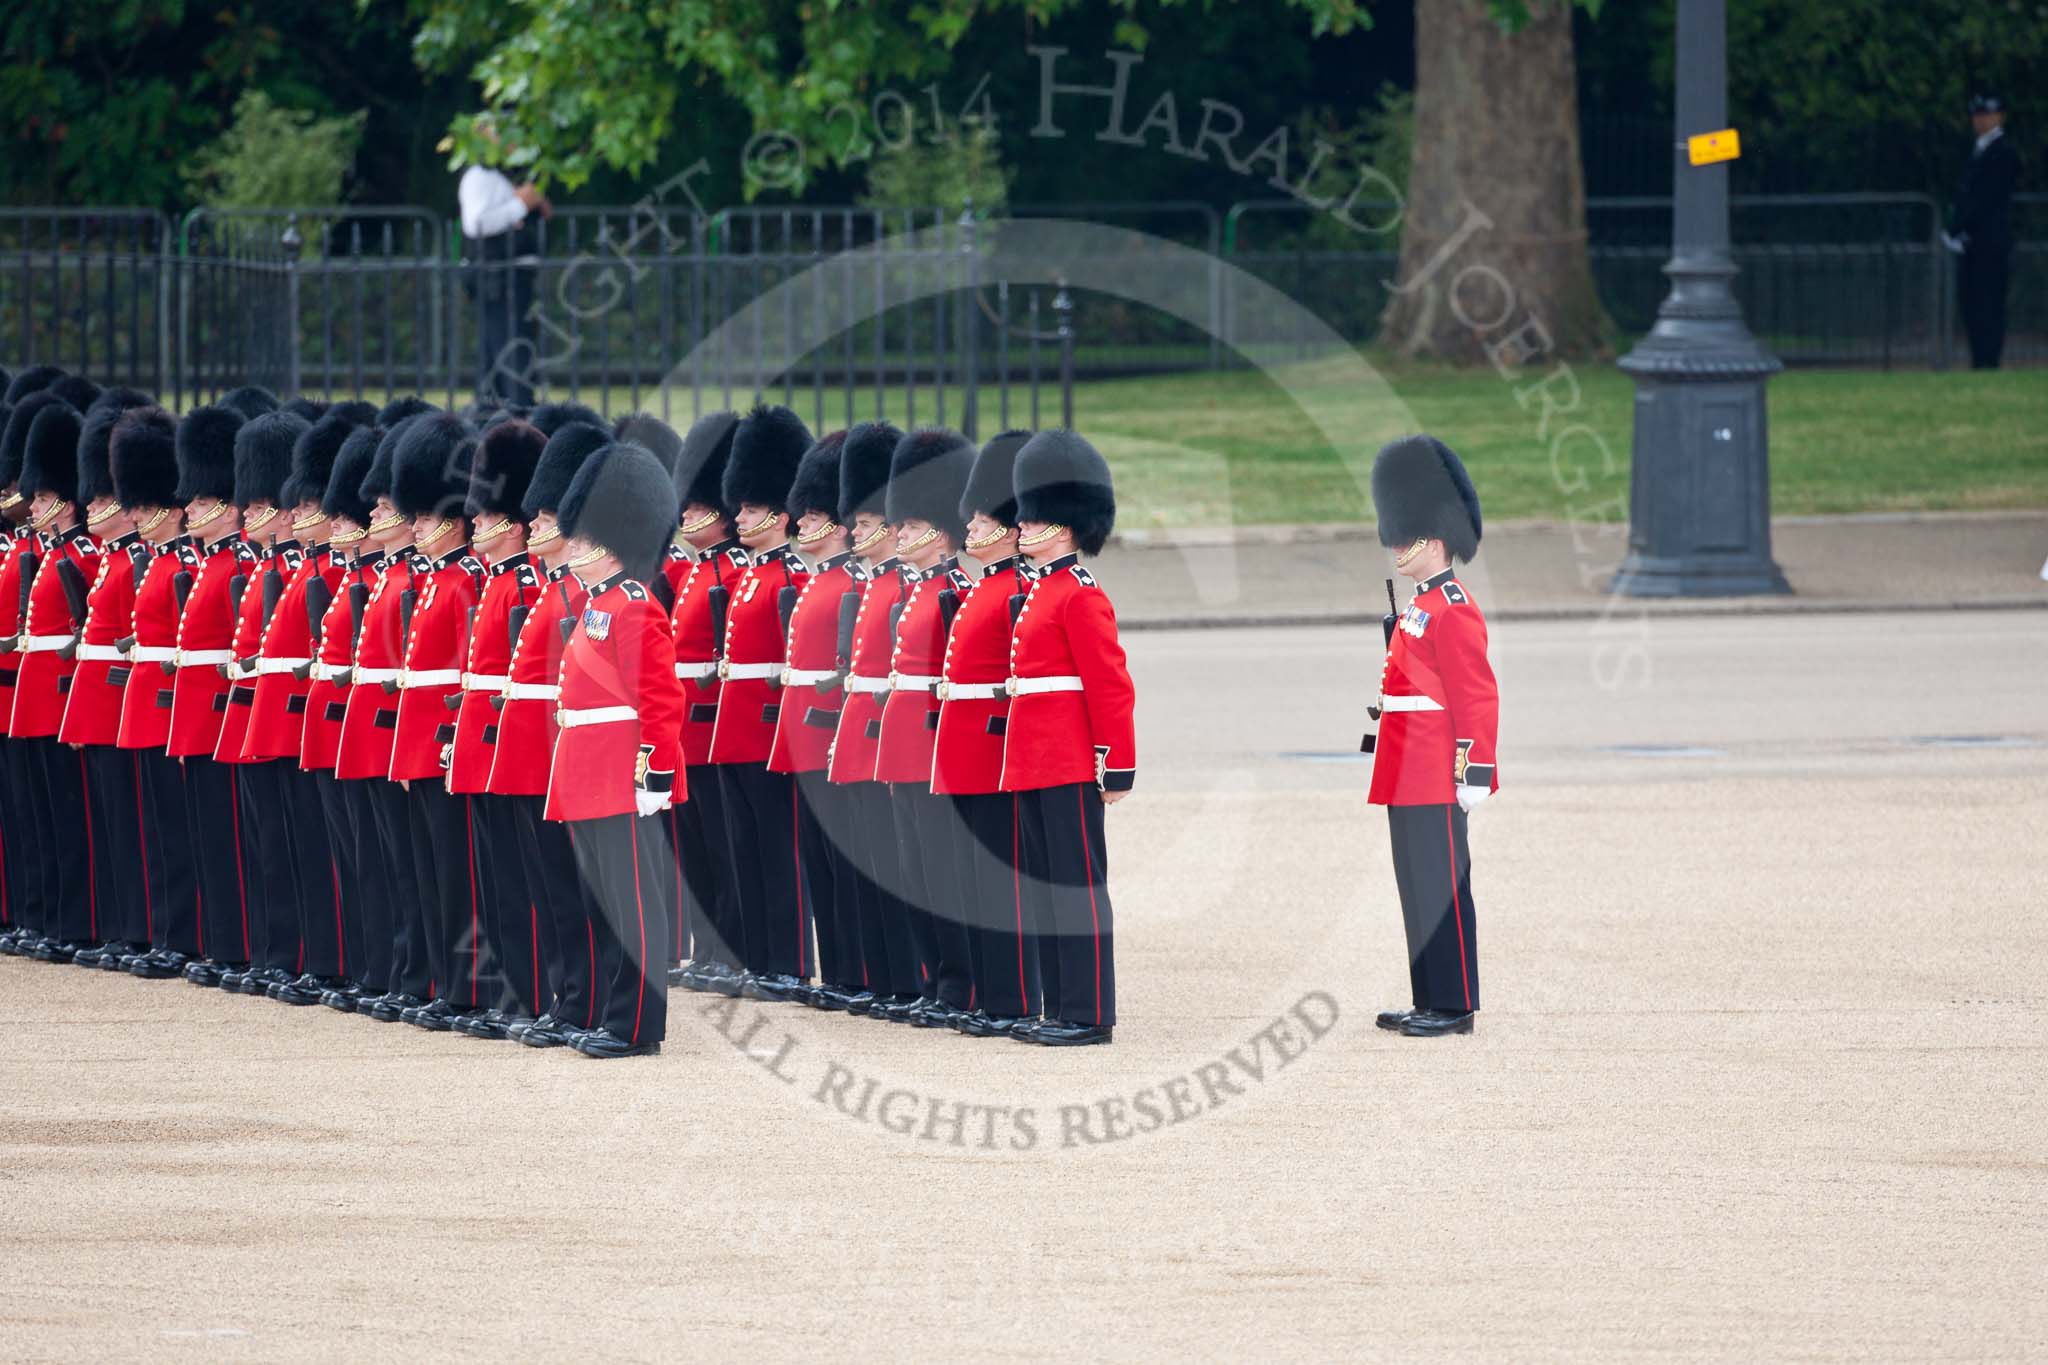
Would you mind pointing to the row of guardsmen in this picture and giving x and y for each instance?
(433, 718)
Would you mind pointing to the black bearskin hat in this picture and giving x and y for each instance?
(34, 379)
(206, 453)
(79, 393)
(50, 462)
(1420, 491)
(700, 468)
(95, 479)
(343, 496)
(353, 411)
(498, 413)
(864, 468)
(506, 457)
(263, 456)
(398, 409)
(142, 455)
(620, 500)
(1062, 479)
(251, 400)
(654, 436)
(309, 408)
(377, 483)
(552, 417)
(313, 459)
(14, 441)
(816, 487)
(992, 487)
(766, 448)
(120, 398)
(566, 452)
(927, 476)
(431, 473)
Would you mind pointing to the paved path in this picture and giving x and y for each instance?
(1763, 1073)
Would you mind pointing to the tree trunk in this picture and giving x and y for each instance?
(1493, 243)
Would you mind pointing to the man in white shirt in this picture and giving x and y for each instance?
(502, 246)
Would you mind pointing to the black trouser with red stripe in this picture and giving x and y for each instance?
(893, 967)
(1433, 869)
(511, 918)
(16, 824)
(329, 892)
(623, 859)
(827, 838)
(277, 890)
(1003, 957)
(65, 841)
(928, 838)
(395, 918)
(213, 811)
(169, 876)
(761, 822)
(709, 884)
(120, 860)
(1066, 888)
(445, 862)
(566, 913)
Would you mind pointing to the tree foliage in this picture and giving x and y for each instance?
(272, 156)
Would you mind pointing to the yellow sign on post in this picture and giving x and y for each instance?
(1705, 149)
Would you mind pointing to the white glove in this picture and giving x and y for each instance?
(651, 803)
(1468, 797)
(1953, 242)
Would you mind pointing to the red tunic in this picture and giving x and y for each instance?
(21, 541)
(968, 756)
(1439, 706)
(526, 727)
(512, 583)
(45, 681)
(92, 710)
(1071, 701)
(434, 655)
(860, 719)
(327, 698)
(206, 633)
(809, 718)
(621, 710)
(278, 719)
(372, 715)
(751, 701)
(910, 711)
(696, 645)
(284, 560)
(146, 700)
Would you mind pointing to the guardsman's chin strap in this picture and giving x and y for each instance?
(1030, 542)
(869, 542)
(1402, 560)
(931, 534)
(588, 557)
(709, 519)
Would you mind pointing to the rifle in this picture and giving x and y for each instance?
(453, 701)
(28, 561)
(842, 654)
(238, 588)
(358, 603)
(319, 597)
(406, 601)
(515, 625)
(785, 609)
(662, 591)
(1387, 625)
(72, 580)
(949, 607)
(721, 600)
(181, 590)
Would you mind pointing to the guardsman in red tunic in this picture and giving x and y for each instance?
(1069, 744)
(143, 457)
(760, 805)
(525, 751)
(63, 834)
(277, 887)
(370, 721)
(334, 613)
(505, 460)
(617, 763)
(927, 479)
(430, 485)
(314, 818)
(710, 890)
(889, 961)
(1439, 716)
(820, 641)
(92, 706)
(967, 756)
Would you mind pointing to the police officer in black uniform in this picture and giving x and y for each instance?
(1982, 230)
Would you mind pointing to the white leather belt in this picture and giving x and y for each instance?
(911, 682)
(1025, 687)
(484, 682)
(376, 675)
(267, 666)
(733, 672)
(952, 691)
(44, 644)
(1410, 704)
(100, 654)
(525, 691)
(807, 677)
(152, 654)
(857, 683)
(190, 658)
(596, 715)
(696, 672)
(429, 677)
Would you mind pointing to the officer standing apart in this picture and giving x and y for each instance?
(1438, 713)
(501, 242)
(1981, 232)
